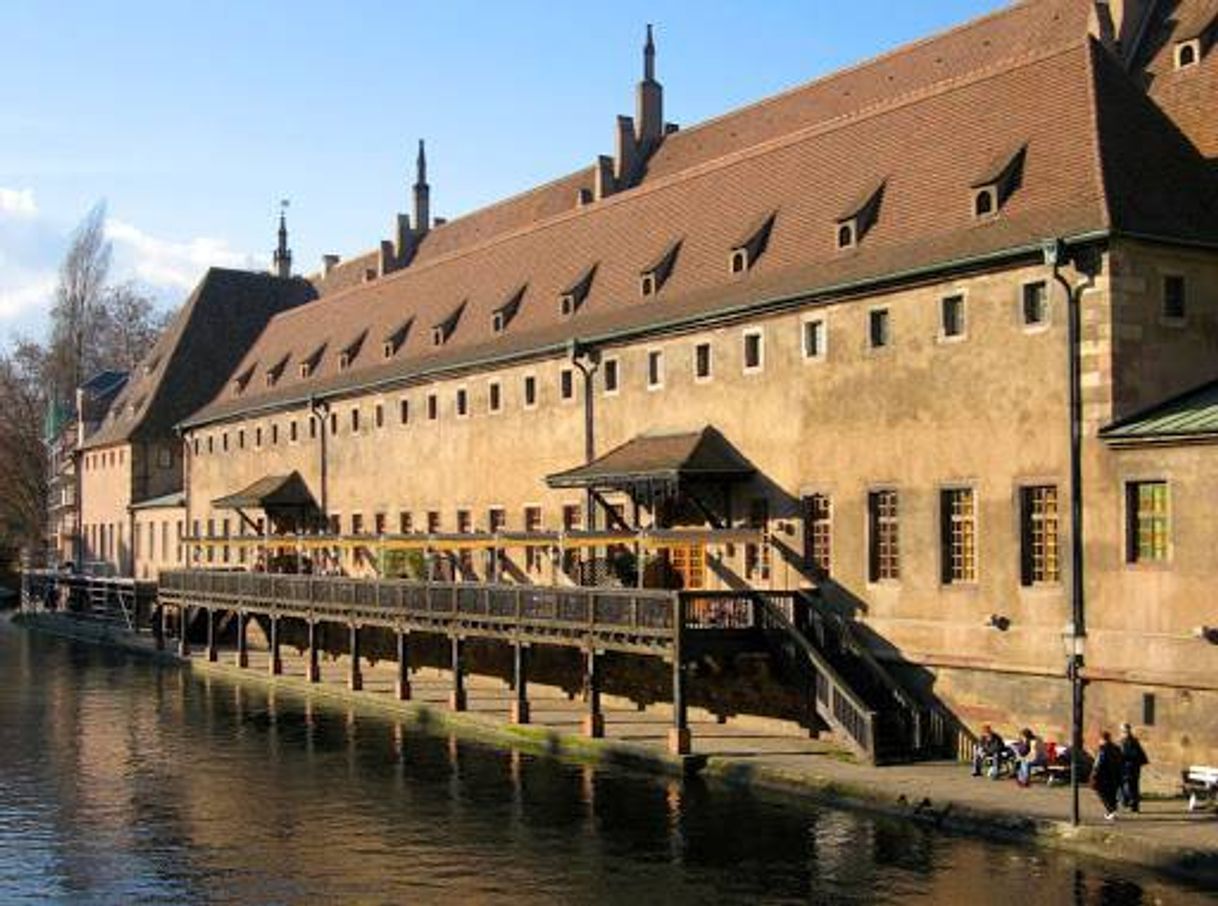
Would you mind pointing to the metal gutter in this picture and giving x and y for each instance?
(683, 324)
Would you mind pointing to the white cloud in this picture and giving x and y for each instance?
(32, 291)
(18, 202)
(168, 264)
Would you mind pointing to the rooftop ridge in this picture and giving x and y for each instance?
(724, 161)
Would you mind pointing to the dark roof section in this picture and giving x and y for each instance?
(702, 455)
(1191, 416)
(269, 492)
(198, 353)
(168, 501)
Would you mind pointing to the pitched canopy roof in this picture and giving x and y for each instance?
(1192, 416)
(700, 455)
(1103, 158)
(270, 492)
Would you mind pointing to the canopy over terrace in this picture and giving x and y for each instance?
(286, 500)
(664, 472)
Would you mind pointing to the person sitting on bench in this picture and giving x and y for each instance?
(1032, 756)
(990, 749)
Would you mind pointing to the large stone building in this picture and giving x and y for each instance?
(838, 317)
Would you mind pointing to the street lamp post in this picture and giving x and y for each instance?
(1056, 254)
(587, 359)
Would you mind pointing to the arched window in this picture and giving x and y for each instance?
(845, 236)
(983, 203)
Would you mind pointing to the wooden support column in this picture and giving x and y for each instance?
(594, 720)
(243, 657)
(313, 670)
(212, 654)
(520, 672)
(403, 683)
(275, 668)
(183, 630)
(457, 699)
(355, 679)
(679, 742)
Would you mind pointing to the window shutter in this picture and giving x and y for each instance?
(1025, 537)
(945, 537)
(873, 536)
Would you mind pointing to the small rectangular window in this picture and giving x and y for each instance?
(655, 369)
(378, 522)
(405, 523)
(754, 351)
(611, 375)
(292, 431)
(462, 402)
(433, 522)
(334, 424)
(883, 541)
(357, 523)
(312, 427)
(530, 391)
(379, 415)
(532, 526)
(818, 534)
(258, 437)
(814, 339)
(433, 407)
(1035, 303)
(404, 411)
(958, 527)
(274, 433)
(757, 555)
(224, 442)
(878, 329)
(1174, 307)
(1146, 521)
(355, 421)
(952, 316)
(566, 384)
(702, 362)
(494, 396)
(1038, 530)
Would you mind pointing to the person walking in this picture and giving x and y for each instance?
(1106, 774)
(1133, 759)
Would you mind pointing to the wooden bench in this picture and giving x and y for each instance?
(1200, 785)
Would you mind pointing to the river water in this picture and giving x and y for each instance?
(126, 782)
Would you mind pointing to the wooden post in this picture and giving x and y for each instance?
(594, 720)
(313, 670)
(520, 664)
(243, 658)
(457, 700)
(678, 736)
(183, 630)
(276, 665)
(355, 680)
(212, 654)
(403, 684)
(159, 617)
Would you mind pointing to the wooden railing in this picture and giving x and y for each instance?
(125, 601)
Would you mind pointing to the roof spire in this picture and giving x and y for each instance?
(421, 166)
(422, 194)
(283, 255)
(649, 57)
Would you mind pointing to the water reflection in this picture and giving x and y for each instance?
(125, 782)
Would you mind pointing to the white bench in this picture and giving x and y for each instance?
(1200, 783)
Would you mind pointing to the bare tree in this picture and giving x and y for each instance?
(125, 327)
(82, 279)
(23, 465)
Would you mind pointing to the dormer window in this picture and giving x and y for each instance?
(858, 219)
(747, 253)
(242, 380)
(441, 333)
(653, 278)
(574, 296)
(309, 365)
(347, 357)
(274, 373)
(395, 340)
(1188, 53)
(502, 316)
(998, 182)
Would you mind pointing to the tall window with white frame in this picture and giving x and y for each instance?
(610, 373)
(883, 537)
(951, 317)
(958, 527)
(655, 369)
(1146, 522)
(702, 362)
(878, 328)
(1039, 550)
(1035, 304)
(754, 351)
(818, 535)
(814, 338)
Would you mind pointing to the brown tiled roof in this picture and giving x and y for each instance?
(1189, 96)
(1087, 169)
(197, 352)
(704, 454)
(269, 492)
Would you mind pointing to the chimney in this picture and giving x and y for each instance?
(328, 263)
(649, 115)
(605, 185)
(422, 193)
(403, 239)
(627, 158)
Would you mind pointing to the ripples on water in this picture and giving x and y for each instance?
(125, 782)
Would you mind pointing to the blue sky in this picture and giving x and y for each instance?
(193, 120)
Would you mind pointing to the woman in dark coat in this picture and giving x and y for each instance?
(1133, 759)
(1106, 775)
